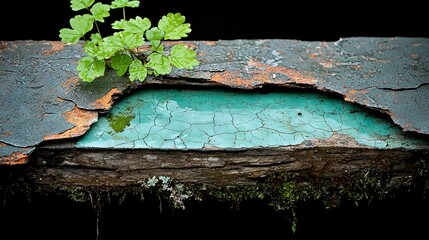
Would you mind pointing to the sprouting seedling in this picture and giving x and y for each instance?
(135, 48)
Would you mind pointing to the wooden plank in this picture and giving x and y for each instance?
(253, 108)
(68, 167)
(42, 95)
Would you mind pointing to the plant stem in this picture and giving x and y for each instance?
(96, 25)
(98, 29)
(123, 12)
(160, 42)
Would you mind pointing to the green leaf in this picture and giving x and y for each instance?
(96, 38)
(138, 25)
(125, 3)
(155, 35)
(120, 63)
(133, 40)
(81, 24)
(112, 43)
(68, 35)
(119, 25)
(77, 5)
(137, 71)
(91, 48)
(90, 68)
(174, 27)
(182, 56)
(109, 46)
(100, 11)
(105, 51)
(124, 40)
(159, 63)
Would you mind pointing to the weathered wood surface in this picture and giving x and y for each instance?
(43, 103)
(64, 166)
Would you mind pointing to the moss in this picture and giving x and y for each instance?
(281, 190)
(77, 195)
(287, 190)
(284, 192)
(119, 122)
(235, 194)
(365, 186)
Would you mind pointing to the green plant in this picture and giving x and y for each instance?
(127, 50)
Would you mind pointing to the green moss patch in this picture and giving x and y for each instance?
(119, 122)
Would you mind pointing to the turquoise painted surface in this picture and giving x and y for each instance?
(196, 119)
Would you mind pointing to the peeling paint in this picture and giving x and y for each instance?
(327, 63)
(16, 158)
(349, 96)
(56, 46)
(71, 83)
(259, 74)
(82, 121)
(7, 134)
(41, 90)
(210, 43)
(293, 75)
(230, 79)
(10, 155)
(338, 140)
(3, 45)
(377, 65)
(106, 101)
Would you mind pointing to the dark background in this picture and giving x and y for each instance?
(214, 20)
(59, 218)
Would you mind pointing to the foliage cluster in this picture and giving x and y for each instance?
(135, 48)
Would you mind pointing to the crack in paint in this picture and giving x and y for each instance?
(215, 119)
(405, 89)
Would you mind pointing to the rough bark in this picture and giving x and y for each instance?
(62, 165)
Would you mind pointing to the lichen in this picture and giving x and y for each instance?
(170, 189)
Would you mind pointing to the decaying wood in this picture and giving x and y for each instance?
(385, 75)
(56, 165)
(41, 92)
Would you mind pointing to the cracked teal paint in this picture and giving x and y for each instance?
(211, 119)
